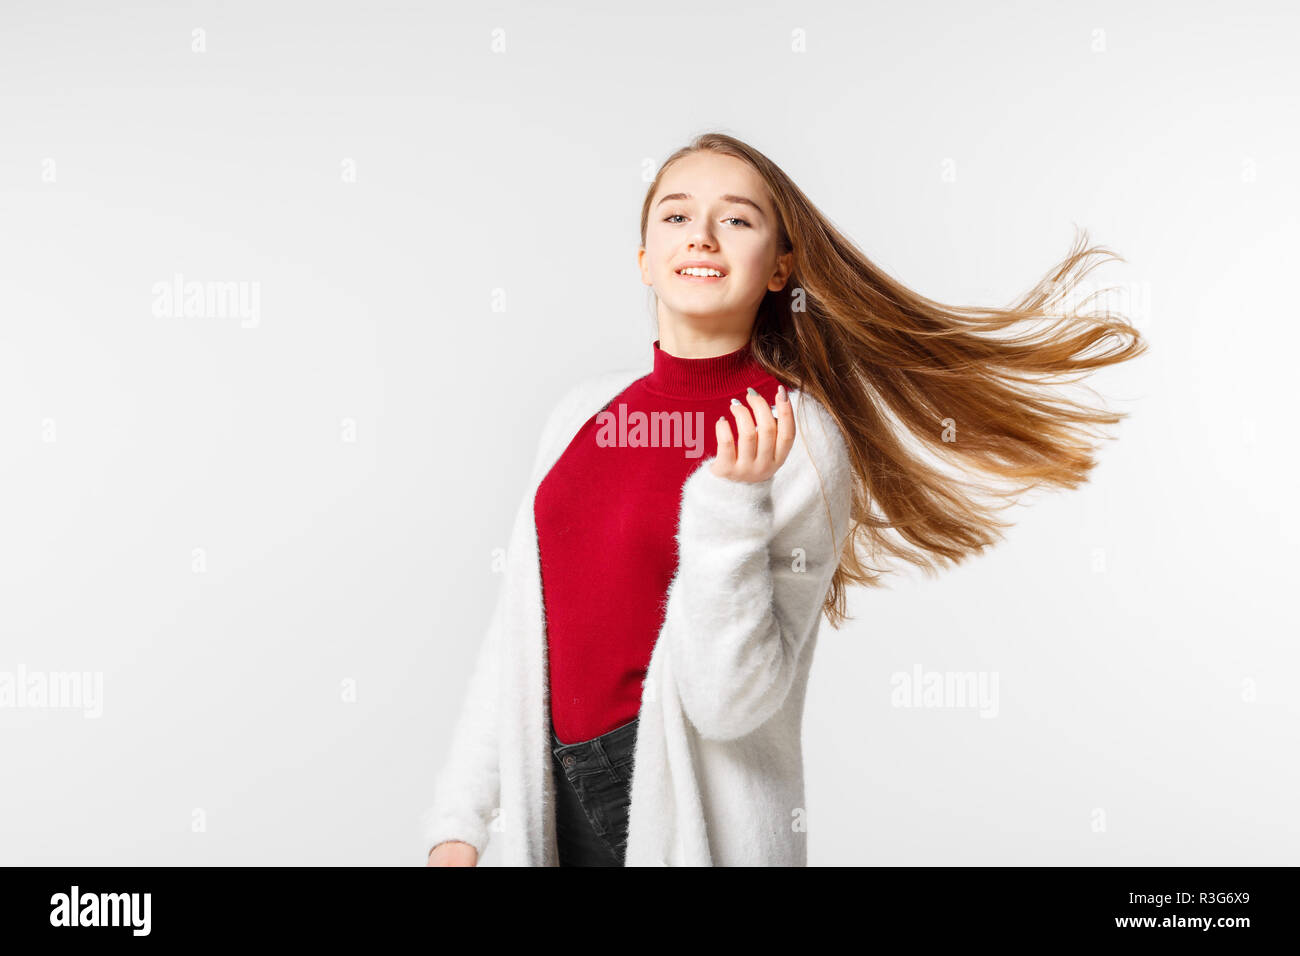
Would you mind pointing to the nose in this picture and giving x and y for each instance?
(701, 236)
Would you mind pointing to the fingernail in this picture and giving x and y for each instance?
(751, 391)
(780, 391)
(736, 401)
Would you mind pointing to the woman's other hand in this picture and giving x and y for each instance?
(453, 853)
(764, 443)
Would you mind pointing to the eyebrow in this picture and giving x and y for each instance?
(727, 198)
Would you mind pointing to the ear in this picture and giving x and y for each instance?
(643, 266)
(784, 266)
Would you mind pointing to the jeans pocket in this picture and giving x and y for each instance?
(590, 798)
(616, 809)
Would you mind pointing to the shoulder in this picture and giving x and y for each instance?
(817, 477)
(818, 436)
(596, 390)
(583, 399)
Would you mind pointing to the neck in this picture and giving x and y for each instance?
(691, 343)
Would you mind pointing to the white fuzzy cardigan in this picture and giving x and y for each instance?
(718, 766)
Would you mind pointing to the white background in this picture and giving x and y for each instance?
(386, 180)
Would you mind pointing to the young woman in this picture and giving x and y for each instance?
(638, 696)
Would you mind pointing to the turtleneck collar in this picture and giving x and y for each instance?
(717, 377)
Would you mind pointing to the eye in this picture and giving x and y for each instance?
(744, 222)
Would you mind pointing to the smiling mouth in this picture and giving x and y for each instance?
(701, 275)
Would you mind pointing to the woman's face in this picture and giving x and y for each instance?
(713, 209)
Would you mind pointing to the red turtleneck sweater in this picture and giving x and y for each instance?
(606, 517)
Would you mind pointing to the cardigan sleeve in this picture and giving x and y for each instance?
(755, 562)
(468, 787)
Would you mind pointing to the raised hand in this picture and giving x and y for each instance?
(764, 443)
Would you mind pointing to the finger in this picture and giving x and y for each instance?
(765, 426)
(726, 447)
(748, 434)
(784, 425)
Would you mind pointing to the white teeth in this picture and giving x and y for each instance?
(695, 271)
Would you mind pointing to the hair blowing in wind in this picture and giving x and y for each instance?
(950, 413)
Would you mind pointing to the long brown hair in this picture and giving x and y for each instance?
(888, 364)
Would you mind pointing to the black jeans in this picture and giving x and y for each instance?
(592, 796)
